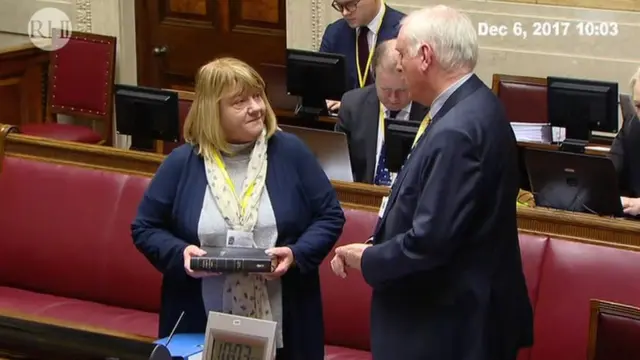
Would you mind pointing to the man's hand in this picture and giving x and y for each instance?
(284, 257)
(630, 206)
(352, 254)
(333, 105)
(194, 251)
(339, 266)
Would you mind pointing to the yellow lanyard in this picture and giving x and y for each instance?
(423, 126)
(247, 194)
(381, 120)
(362, 79)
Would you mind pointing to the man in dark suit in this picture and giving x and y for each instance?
(625, 150)
(361, 111)
(364, 25)
(445, 264)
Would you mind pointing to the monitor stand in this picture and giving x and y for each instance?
(577, 137)
(311, 109)
(140, 141)
(574, 146)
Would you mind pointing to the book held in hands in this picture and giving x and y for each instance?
(234, 259)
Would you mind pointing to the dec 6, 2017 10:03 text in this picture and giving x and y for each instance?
(549, 29)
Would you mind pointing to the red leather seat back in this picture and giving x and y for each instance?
(524, 102)
(617, 337)
(65, 231)
(132, 282)
(184, 105)
(347, 302)
(532, 249)
(572, 274)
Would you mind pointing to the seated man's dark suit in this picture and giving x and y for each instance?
(339, 38)
(445, 266)
(359, 118)
(625, 154)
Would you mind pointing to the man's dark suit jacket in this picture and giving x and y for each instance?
(625, 154)
(339, 38)
(359, 118)
(445, 266)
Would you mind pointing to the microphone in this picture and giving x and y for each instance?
(161, 352)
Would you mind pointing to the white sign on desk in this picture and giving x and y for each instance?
(232, 337)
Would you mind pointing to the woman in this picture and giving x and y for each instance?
(625, 150)
(284, 203)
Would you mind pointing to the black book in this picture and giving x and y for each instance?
(233, 259)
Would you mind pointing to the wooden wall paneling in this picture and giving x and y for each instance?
(21, 85)
(176, 37)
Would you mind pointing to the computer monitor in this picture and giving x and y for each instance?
(573, 182)
(315, 77)
(147, 114)
(398, 138)
(330, 148)
(582, 106)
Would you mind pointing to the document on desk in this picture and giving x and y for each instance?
(532, 132)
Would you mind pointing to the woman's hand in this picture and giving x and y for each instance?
(284, 257)
(194, 251)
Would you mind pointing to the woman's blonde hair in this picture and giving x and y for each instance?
(222, 78)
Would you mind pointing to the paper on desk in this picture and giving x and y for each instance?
(597, 148)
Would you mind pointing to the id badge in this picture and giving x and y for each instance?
(240, 239)
(383, 206)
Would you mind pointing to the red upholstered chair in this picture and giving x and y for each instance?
(185, 99)
(80, 84)
(524, 98)
(614, 331)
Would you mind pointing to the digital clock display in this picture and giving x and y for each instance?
(232, 337)
(227, 350)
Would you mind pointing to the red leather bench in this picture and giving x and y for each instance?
(66, 250)
(562, 277)
(66, 253)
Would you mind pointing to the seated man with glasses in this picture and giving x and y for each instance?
(364, 25)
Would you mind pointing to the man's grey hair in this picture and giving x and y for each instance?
(384, 57)
(634, 80)
(449, 32)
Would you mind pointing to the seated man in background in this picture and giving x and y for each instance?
(363, 112)
(625, 154)
(364, 24)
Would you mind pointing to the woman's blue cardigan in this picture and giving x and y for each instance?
(309, 220)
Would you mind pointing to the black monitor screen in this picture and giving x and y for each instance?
(399, 136)
(316, 77)
(582, 106)
(147, 114)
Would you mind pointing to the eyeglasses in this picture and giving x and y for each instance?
(350, 6)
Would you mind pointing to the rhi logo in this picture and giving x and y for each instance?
(49, 29)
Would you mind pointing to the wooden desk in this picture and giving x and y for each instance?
(23, 69)
(351, 195)
(591, 149)
(42, 338)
